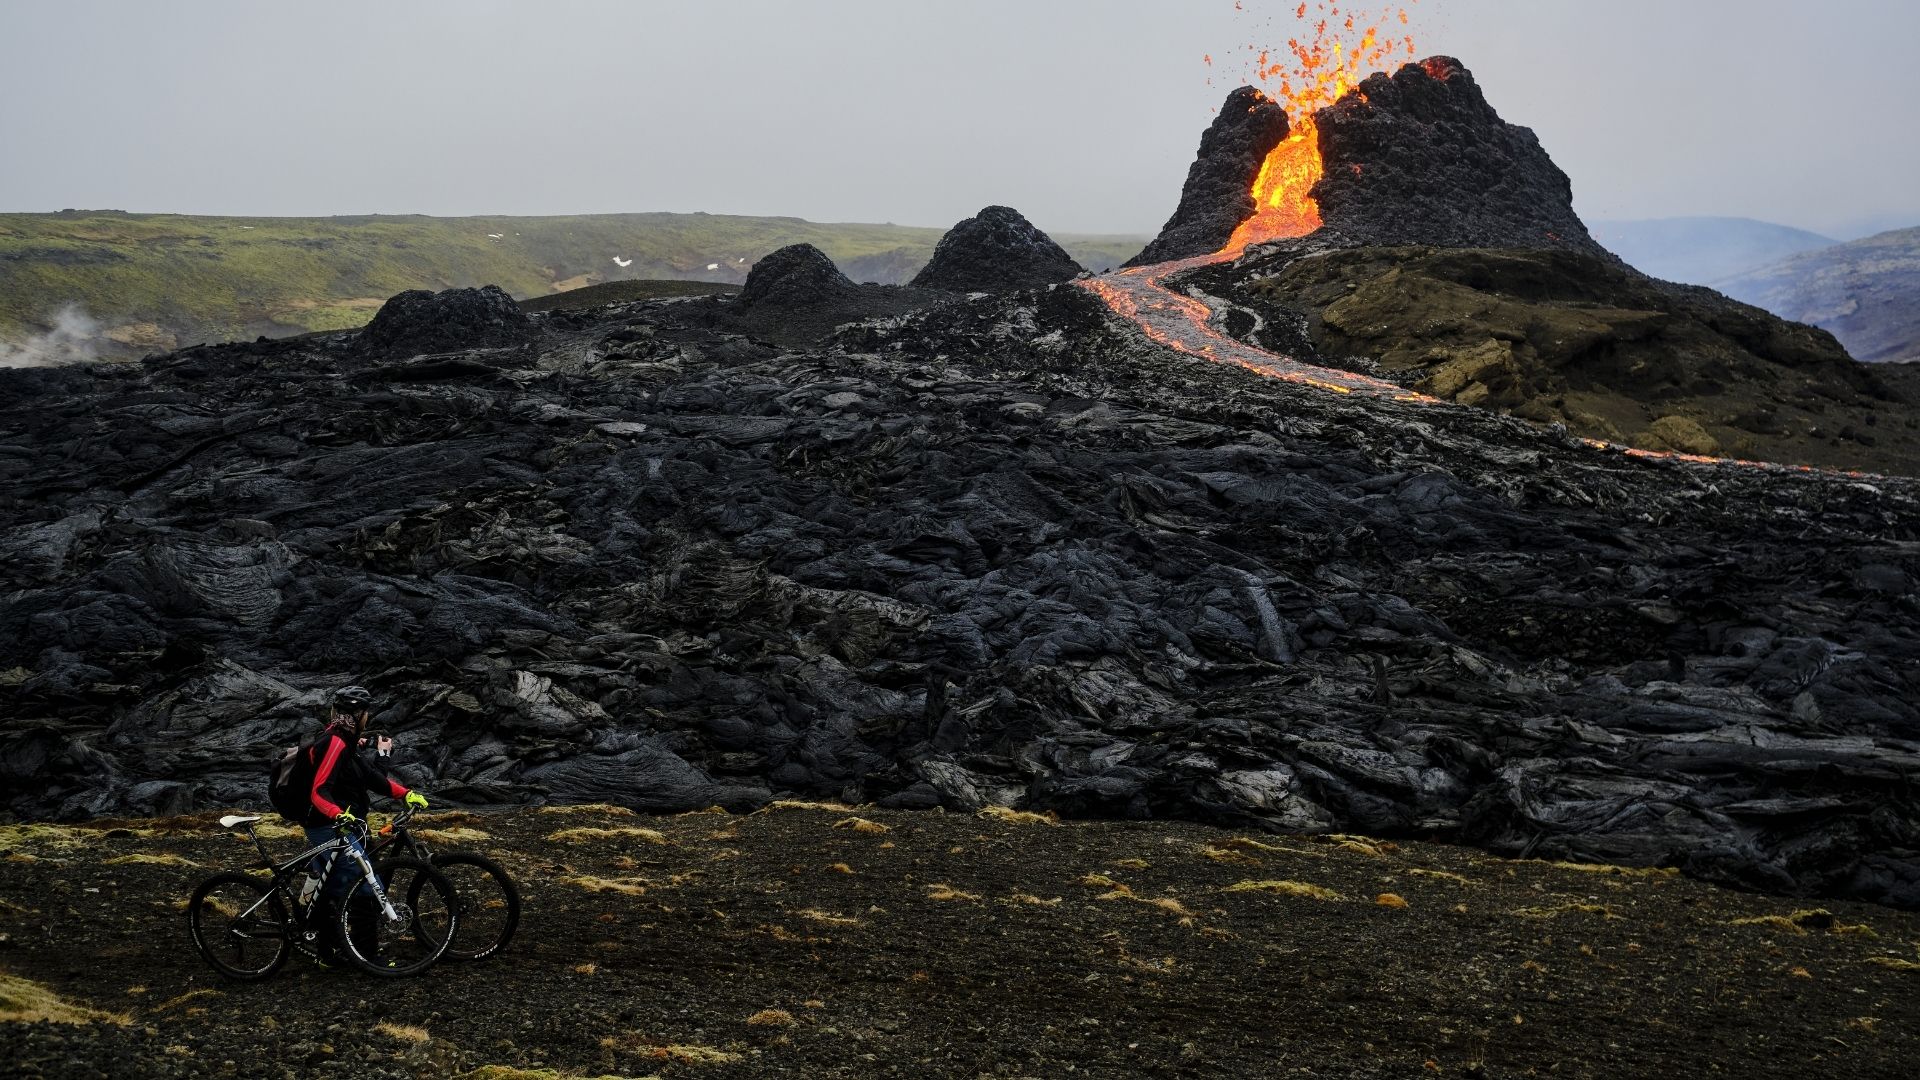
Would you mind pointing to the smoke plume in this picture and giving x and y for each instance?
(73, 339)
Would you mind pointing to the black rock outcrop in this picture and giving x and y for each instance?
(995, 251)
(797, 297)
(417, 321)
(1004, 551)
(1218, 194)
(1420, 157)
(796, 276)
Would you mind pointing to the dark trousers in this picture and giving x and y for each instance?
(333, 891)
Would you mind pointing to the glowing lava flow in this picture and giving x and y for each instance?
(1183, 324)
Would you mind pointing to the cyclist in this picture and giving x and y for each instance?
(343, 783)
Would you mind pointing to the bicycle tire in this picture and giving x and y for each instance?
(413, 941)
(477, 908)
(223, 937)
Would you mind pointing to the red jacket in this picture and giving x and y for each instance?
(344, 778)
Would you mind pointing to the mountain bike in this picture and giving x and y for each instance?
(397, 919)
(486, 899)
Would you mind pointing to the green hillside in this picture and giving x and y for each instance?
(156, 279)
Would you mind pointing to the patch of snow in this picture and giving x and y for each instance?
(622, 263)
(713, 266)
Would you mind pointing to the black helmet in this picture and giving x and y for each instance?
(352, 700)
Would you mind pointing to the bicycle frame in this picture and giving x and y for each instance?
(285, 870)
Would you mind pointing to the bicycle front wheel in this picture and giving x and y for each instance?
(399, 922)
(489, 904)
(240, 926)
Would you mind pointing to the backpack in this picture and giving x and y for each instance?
(290, 780)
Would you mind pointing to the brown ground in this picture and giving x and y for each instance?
(1557, 337)
(800, 942)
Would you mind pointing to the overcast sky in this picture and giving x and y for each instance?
(1084, 114)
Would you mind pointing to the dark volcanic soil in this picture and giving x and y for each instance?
(793, 943)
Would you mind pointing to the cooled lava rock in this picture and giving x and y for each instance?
(1218, 194)
(795, 276)
(1005, 551)
(417, 321)
(1420, 157)
(996, 250)
(797, 297)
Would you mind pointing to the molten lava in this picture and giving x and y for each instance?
(1340, 53)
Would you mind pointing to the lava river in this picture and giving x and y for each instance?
(1184, 324)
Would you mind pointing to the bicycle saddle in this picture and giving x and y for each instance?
(232, 820)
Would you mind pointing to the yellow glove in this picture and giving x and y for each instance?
(344, 818)
(416, 799)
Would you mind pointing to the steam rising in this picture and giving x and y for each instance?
(74, 339)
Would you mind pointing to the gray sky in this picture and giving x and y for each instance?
(1084, 114)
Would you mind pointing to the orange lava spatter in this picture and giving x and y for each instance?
(1340, 50)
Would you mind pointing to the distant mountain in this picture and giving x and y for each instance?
(157, 281)
(1867, 293)
(1703, 250)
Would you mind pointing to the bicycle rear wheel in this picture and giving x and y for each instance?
(240, 926)
(410, 932)
(489, 905)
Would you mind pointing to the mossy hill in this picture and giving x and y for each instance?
(161, 280)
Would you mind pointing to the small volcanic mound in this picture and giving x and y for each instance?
(1218, 194)
(797, 297)
(997, 250)
(418, 321)
(1421, 158)
(798, 275)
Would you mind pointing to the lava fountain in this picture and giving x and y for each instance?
(1341, 51)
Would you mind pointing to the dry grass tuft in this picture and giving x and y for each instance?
(1894, 962)
(1360, 847)
(623, 886)
(800, 804)
(1019, 817)
(517, 1073)
(623, 832)
(828, 917)
(1856, 929)
(1224, 855)
(948, 892)
(1132, 864)
(1777, 922)
(1243, 843)
(1029, 898)
(406, 1033)
(191, 995)
(860, 824)
(1299, 889)
(840, 868)
(588, 968)
(1390, 900)
(27, 1002)
(1442, 875)
(606, 809)
(1570, 908)
(772, 1018)
(692, 1055)
(457, 834)
(1617, 871)
(154, 860)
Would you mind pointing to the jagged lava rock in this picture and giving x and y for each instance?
(1218, 195)
(418, 321)
(798, 275)
(996, 250)
(1420, 157)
